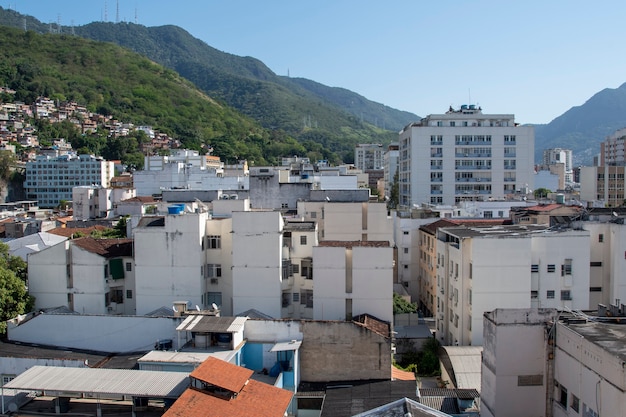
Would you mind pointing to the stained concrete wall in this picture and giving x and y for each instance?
(342, 351)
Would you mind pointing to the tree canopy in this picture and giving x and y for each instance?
(14, 298)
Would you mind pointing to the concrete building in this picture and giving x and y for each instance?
(603, 184)
(549, 362)
(93, 202)
(369, 156)
(535, 267)
(50, 180)
(612, 149)
(85, 275)
(471, 156)
(390, 161)
(555, 156)
(517, 362)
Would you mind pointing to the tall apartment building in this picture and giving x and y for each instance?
(50, 180)
(555, 156)
(612, 149)
(603, 184)
(369, 156)
(464, 155)
(390, 160)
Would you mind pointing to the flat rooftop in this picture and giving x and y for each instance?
(609, 336)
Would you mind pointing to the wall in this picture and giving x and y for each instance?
(96, 333)
(47, 276)
(342, 351)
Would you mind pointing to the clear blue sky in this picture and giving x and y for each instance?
(535, 59)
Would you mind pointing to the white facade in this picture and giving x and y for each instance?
(257, 262)
(369, 156)
(50, 180)
(390, 160)
(353, 280)
(534, 267)
(92, 202)
(85, 276)
(515, 365)
(169, 260)
(560, 156)
(464, 155)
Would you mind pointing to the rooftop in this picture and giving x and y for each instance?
(608, 336)
(355, 243)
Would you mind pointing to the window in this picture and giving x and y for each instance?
(406, 250)
(601, 238)
(306, 265)
(566, 268)
(116, 296)
(550, 294)
(213, 242)
(129, 266)
(595, 263)
(212, 297)
(566, 295)
(595, 289)
(303, 240)
(534, 294)
(575, 403)
(6, 378)
(296, 297)
(286, 299)
(129, 294)
(306, 298)
(529, 380)
(213, 270)
(551, 268)
(562, 398)
(534, 268)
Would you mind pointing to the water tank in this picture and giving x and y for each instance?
(175, 209)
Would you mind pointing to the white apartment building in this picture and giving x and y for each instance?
(50, 180)
(612, 149)
(228, 254)
(464, 155)
(92, 202)
(480, 269)
(369, 156)
(353, 278)
(90, 276)
(390, 161)
(555, 156)
(552, 363)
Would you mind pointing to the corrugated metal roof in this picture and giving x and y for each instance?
(101, 382)
(283, 346)
(212, 324)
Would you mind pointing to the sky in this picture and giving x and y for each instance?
(535, 59)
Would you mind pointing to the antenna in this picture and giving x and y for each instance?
(135, 15)
(117, 12)
(106, 12)
(469, 96)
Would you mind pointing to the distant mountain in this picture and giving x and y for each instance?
(336, 118)
(583, 128)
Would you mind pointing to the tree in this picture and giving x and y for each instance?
(400, 305)
(542, 193)
(394, 192)
(14, 298)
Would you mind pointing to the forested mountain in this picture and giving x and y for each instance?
(111, 80)
(582, 128)
(334, 118)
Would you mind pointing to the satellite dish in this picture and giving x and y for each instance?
(197, 307)
(174, 308)
(214, 306)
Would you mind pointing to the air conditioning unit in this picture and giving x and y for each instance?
(214, 281)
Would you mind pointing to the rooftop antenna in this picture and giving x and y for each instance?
(469, 94)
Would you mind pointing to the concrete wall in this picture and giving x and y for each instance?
(341, 351)
(515, 345)
(47, 276)
(97, 333)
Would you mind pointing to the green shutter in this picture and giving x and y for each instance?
(117, 268)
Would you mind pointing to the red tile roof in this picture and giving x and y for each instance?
(255, 399)
(108, 248)
(400, 375)
(222, 374)
(544, 207)
(69, 231)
